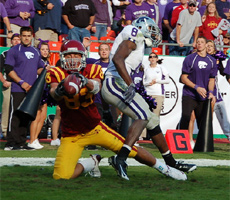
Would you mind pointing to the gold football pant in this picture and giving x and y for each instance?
(71, 148)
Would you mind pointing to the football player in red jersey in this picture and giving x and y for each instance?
(81, 122)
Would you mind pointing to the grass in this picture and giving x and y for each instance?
(36, 183)
(22, 183)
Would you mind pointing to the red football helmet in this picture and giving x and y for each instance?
(72, 64)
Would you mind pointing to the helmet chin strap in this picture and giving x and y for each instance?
(148, 42)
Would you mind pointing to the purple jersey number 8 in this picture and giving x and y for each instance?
(134, 32)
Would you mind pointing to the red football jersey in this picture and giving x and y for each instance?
(79, 114)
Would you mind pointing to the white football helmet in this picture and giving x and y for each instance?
(149, 29)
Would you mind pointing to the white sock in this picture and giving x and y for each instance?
(161, 167)
(88, 164)
(127, 147)
(166, 153)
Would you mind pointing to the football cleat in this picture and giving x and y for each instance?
(95, 172)
(120, 167)
(175, 174)
(180, 165)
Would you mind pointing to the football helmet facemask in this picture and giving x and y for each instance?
(149, 29)
(72, 64)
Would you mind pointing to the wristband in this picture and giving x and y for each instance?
(10, 31)
(21, 82)
(211, 91)
(196, 86)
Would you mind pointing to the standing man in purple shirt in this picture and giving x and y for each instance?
(23, 63)
(198, 76)
(102, 23)
(19, 13)
(137, 9)
(155, 12)
(118, 7)
(167, 18)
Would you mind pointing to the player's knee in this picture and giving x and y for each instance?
(153, 132)
(62, 175)
(153, 121)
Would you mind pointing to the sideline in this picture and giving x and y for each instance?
(9, 161)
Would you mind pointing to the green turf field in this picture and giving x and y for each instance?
(36, 183)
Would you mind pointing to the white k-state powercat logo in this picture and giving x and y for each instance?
(29, 55)
(202, 64)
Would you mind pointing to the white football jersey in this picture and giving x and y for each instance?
(135, 57)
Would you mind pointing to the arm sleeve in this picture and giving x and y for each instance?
(66, 8)
(166, 79)
(2, 61)
(8, 68)
(186, 67)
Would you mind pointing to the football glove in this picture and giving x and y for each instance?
(84, 80)
(129, 93)
(60, 90)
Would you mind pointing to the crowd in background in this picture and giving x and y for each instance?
(51, 18)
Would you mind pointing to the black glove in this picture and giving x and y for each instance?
(129, 93)
(60, 90)
(84, 80)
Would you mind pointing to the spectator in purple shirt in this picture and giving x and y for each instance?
(136, 10)
(19, 13)
(155, 12)
(23, 63)
(118, 7)
(203, 6)
(198, 76)
(167, 17)
(102, 23)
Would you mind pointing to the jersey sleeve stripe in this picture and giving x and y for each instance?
(60, 75)
(92, 70)
(98, 67)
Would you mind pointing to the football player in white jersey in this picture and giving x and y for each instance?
(119, 90)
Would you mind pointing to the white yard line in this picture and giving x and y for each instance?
(8, 161)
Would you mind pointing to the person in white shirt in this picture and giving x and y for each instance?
(155, 76)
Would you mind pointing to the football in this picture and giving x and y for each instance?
(72, 84)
